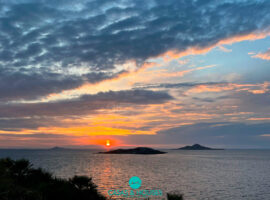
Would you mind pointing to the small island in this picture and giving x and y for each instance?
(197, 147)
(138, 150)
(57, 148)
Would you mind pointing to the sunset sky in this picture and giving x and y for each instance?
(135, 72)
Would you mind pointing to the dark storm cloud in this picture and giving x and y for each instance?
(86, 104)
(44, 35)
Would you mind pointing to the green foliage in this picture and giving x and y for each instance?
(20, 181)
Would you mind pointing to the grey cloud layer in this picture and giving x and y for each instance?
(25, 85)
(39, 37)
(220, 133)
(84, 105)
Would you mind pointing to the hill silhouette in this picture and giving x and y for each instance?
(138, 150)
(197, 147)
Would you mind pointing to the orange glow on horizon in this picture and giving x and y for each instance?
(108, 144)
(81, 131)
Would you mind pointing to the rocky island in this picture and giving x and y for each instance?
(57, 148)
(197, 147)
(138, 150)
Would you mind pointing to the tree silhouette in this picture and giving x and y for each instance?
(20, 181)
(83, 183)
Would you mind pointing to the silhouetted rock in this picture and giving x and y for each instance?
(197, 147)
(57, 148)
(138, 150)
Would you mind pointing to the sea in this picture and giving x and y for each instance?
(198, 175)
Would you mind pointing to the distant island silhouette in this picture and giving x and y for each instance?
(57, 148)
(138, 150)
(197, 147)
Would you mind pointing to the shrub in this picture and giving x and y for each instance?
(175, 196)
(20, 181)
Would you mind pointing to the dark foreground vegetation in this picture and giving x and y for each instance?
(20, 181)
(175, 196)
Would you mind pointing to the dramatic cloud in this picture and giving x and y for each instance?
(95, 68)
(40, 40)
(86, 104)
(22, 85)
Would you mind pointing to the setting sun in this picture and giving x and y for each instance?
(108, 143)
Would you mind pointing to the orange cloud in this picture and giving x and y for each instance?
(222, 48)
(264, 56)
(122, 81)
(132, 73)
(252, 88)
(81, 131)
(210, 88)
(182, 73)
(259, 118)
(176, 54)
(265, 135)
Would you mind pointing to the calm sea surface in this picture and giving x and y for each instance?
(222, 175)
